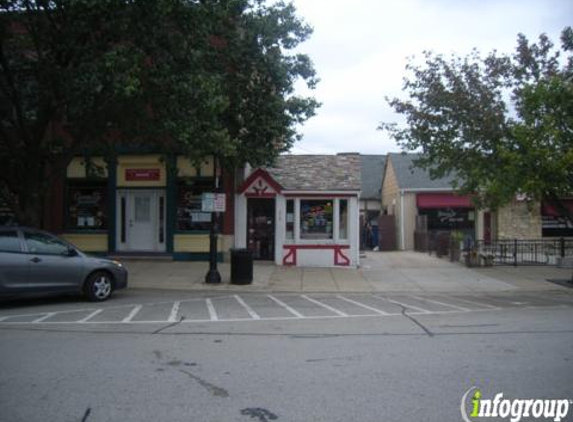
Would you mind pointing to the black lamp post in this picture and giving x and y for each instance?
(213, 276)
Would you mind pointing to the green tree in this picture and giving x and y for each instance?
(82, 77)
(501, 124)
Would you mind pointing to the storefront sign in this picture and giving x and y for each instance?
(213, 202)
(139, 175)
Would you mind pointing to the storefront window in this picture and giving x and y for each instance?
(343, 219)
(289, 220)
(189, 214)
(7, 216)
(449, 218)
(316, 217)
(87, 205)
(553, 223)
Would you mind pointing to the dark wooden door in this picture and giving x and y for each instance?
(261, 228)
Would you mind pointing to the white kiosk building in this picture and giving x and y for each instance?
(302, 212)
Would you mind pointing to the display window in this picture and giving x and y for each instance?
(449, 218)
(343, 219)
(553, 223)
(189, 214)
(87, 205)
(316, 218)
(7, 216)
(289, 221)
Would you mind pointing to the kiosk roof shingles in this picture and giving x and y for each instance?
(320, 173)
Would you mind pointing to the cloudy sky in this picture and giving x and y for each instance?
(360, 48)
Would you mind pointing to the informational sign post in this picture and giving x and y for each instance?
(213, 202)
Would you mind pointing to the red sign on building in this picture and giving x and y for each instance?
(142, 175)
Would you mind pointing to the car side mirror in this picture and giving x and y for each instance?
(71, 252)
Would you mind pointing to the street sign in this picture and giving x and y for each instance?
(213, 202)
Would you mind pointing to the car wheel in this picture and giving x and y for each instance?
(98, 286)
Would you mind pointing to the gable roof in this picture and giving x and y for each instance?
(371, 173)
(320, 173)
(411, 177)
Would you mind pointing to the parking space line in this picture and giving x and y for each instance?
(249, 310)
(362, 305)
(43, 318)
(405, 305)
(287, 307)
(485, 305)
(90, 316)
(174, 312)
(132, 314)
(212, 312)
(324, 305)
(437, 302)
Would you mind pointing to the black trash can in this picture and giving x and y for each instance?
(241, 266)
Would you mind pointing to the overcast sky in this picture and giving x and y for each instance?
(360, 48)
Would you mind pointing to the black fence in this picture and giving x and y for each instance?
(523, 252)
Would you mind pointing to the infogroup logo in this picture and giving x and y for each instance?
(513, 409)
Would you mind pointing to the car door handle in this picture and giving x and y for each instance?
(35, 260)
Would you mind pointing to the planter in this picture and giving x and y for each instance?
(487, 260)
(472, 260)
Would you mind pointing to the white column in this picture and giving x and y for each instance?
(280, 227)
(240, 221)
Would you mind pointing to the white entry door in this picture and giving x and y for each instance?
(141, 220)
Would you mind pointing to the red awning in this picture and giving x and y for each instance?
(443, 200)
(550, 210)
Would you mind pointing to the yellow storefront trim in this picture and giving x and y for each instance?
(87, 242)
(193, 243)
(141, 162)
(77, 167)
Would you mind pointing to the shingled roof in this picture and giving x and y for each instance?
(411, 177)
(372, 171)
(319, 173)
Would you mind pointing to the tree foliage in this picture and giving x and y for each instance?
(194, 77)
(501, 124)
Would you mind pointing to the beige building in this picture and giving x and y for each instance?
(413, 198)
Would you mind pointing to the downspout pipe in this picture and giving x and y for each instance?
(402, 223)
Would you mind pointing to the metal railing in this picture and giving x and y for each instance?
(524, 252)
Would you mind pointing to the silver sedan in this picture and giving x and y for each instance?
(34, 261)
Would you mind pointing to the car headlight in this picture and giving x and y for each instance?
(119, 264)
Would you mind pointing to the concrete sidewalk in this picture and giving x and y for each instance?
(394, 272)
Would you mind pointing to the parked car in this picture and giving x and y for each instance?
(34, 261)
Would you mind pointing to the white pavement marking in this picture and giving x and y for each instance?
(362, 305)
(249, 310)
(174, 312)
(324, 305)
(471, 302)
(212, 312)
(284, 305)
(43, 318)
(422, 310)
(90, 316)
(437, 302)
(132, 314)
